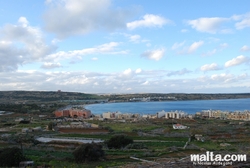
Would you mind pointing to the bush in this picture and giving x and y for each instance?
(88, 152)
(11, 157)
(118, 141)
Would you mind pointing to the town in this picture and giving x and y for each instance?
(50, 133)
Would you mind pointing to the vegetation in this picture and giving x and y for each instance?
(11, 157)
(119, 141)
(88, 152)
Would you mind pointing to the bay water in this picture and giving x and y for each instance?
(190, 107)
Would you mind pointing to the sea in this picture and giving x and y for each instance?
(190, 107)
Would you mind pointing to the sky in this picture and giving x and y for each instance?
(125, 46)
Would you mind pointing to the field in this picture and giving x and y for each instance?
(156, 138)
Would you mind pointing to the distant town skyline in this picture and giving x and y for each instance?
(125, 46)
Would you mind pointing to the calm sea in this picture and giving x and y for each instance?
(190, 107)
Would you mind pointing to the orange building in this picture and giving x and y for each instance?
(74, 113)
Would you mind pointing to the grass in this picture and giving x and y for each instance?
(127, 127)
(65, 159)
(160, 145)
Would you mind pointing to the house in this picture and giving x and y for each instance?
(26, 164)
(74, 113)
(175, 114)
(106, 115)
(179, 126)
(199, 137)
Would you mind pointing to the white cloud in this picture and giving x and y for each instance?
(93, 82)
(94, 59)
(244, 21)
(82, 17)
(23, 21)
(145, 83)
(148, 20)
(177, 45)
(222, 77)
(107, 48)
(223, 45)
(137, 71)
(209, 67)
(195, 46)
(154, 54)
(135, 38)
(237, 61)
(208, 25)
(49, 65)
(21, 44)
(245, 48)
(209, 52)
(127, 71)
(179, 72)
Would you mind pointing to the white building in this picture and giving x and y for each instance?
(161, 114)
(175, 114)
(106, 115)
(179, 126)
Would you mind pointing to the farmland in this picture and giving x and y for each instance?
(154, 140)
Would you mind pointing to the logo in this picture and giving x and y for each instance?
(217, 159)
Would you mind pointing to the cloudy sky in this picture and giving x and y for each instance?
(125, 46)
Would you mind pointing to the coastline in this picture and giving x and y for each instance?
(189, 106)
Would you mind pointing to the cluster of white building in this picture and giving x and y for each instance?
(161, 114)
(236, 115)
(173, 114)
(119, 115)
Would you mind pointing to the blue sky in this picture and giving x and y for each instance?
(125, 46)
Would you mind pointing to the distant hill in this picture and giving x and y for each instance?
(44, 96)
(19, 97)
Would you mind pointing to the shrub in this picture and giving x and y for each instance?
(118, 141)
(88, 152)
(11, 157)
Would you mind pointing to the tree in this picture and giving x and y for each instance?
(88, 152)
(119, 141)
(11, 157)
(51, 125)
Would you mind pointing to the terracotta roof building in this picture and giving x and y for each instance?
(74, 113)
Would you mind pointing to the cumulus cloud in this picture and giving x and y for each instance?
(107, 48)
(154, 54)
(245, 48)
(127, 71)
(237, 61)
(177, 45)
(222, 77)
(208, 25)
(193, 47)
(50, 65)
(243, 21)
(209, 52)
(93, 82)
(148, 20)
(209, 67)
(82, 17)
(223, 45)
(21, 44)
(145, 83)
(179, 72)
(135, 38)
(137, 71)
